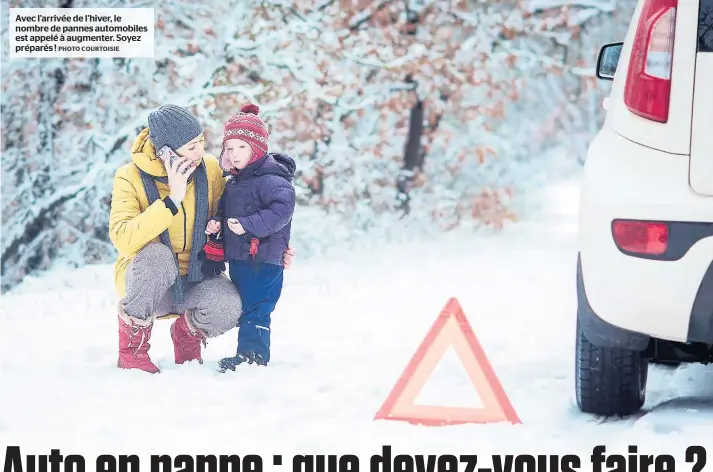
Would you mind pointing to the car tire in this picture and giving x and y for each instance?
(609, 381)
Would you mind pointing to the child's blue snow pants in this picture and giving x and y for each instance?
(260, 287)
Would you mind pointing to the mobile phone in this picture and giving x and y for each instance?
(165, 152)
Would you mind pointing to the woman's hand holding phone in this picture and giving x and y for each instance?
(177, 168)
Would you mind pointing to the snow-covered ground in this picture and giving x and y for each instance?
(343, 333)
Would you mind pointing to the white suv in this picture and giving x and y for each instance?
(645, 263)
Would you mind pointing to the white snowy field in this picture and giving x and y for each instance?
(343, 333)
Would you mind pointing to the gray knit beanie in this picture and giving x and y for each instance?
(173, 126)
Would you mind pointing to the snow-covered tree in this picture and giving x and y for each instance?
(429, 113)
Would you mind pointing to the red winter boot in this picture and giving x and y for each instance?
(186, 340)
(134, 345)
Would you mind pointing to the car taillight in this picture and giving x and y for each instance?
(648, 81)
(641, 237)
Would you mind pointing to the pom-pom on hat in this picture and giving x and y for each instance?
(246, 125)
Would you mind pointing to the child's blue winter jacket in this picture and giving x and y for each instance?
(262, 198)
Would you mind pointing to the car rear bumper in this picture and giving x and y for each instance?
(668, 296)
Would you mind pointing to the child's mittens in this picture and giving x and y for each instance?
(213, 256)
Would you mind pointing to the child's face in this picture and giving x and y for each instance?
(238, 152)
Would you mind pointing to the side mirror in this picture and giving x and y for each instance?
(608, 60)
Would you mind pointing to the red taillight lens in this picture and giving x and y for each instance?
(642, 237)
(648, 83)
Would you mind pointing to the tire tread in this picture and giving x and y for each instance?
(608, 380)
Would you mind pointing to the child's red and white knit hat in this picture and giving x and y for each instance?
(246, 125)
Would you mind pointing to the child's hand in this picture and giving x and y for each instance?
(213, 227)
(287, 257)
(235, 226)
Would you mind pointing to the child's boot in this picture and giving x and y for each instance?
(134, 337)
(232, 362)
(251, 357)
(253, 346)
(186, 340)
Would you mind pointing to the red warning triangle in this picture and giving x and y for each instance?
(451, 328)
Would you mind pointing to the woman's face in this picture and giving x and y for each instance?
(238, 152)
(193, 150)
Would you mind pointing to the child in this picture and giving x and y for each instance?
(255, 217)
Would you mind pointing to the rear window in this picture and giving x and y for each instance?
(705, 26)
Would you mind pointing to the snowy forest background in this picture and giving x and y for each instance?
(416, 116)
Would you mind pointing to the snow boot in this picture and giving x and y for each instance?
(187, 340)
(249, 356)
(134, 337)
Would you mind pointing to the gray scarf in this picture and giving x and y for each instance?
(201, 220)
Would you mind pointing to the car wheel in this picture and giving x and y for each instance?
(609, 381)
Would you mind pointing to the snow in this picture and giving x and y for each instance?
(460, 392)
(343, 333)
(337, 99)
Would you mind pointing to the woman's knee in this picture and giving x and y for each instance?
(157, 258)
(218, 307)
(155, 253)
(152, 271)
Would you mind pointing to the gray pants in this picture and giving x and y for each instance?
(213, 305)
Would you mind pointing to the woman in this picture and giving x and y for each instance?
(159, 213)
